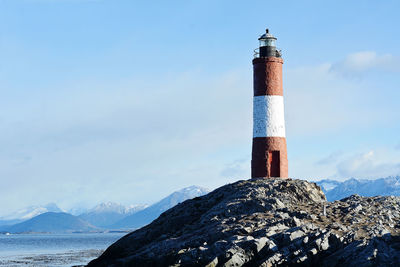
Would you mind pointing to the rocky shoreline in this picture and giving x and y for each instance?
(266, 222)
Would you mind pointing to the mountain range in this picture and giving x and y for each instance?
(113, 216)
(109, 213)
(147, 215)
(335, 190)
(100, 218)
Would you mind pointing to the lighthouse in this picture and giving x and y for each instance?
(269, 152)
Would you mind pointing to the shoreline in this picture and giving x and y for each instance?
(67, 258)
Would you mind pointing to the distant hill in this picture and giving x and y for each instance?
(50, 222)
(389, 186)
(109, 213)
(147, 215)
(30, 212)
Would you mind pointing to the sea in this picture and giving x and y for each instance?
(73, 249)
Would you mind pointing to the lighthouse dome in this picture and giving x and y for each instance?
(267, 35)
(267, 39)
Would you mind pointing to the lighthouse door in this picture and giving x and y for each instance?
(274, 164)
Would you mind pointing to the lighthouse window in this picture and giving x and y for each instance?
(267, 42)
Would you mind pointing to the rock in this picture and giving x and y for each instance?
(237, 259)
(296, 234)
(213, 263)
(358, 208)
(313, 251)
(296, 221)
(266, 222)
(279, 204)
(260, 243)
(322, 243)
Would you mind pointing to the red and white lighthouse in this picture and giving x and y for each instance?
(269, 153)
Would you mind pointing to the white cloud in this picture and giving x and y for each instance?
(362, 61)
(371, 164)
(318, 101)
(376, 163)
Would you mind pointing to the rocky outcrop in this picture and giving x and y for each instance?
(266, 222)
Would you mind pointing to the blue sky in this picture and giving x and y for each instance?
(127, 101)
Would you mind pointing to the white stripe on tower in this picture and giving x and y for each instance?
(268, 116)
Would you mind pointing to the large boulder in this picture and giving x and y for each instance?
(266, 222)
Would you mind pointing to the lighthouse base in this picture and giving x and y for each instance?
(269, 157)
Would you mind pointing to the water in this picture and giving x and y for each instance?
(53, 249)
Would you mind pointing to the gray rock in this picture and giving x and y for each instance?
(296, 221)
(296, 234)
(213, 263)
(237, 259)
(260, 243)
(266, 222)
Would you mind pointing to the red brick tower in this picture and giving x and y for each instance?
(269, 154)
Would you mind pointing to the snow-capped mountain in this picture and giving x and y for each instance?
(147, 215)
(389, 186)
(108, 213)
(118, 208)
(135, 208)
(50, 218)
(327, 184)
(178, 197)
(30, 212)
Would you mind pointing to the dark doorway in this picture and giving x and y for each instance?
(274, 163)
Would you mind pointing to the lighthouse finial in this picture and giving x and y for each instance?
(267, 30)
